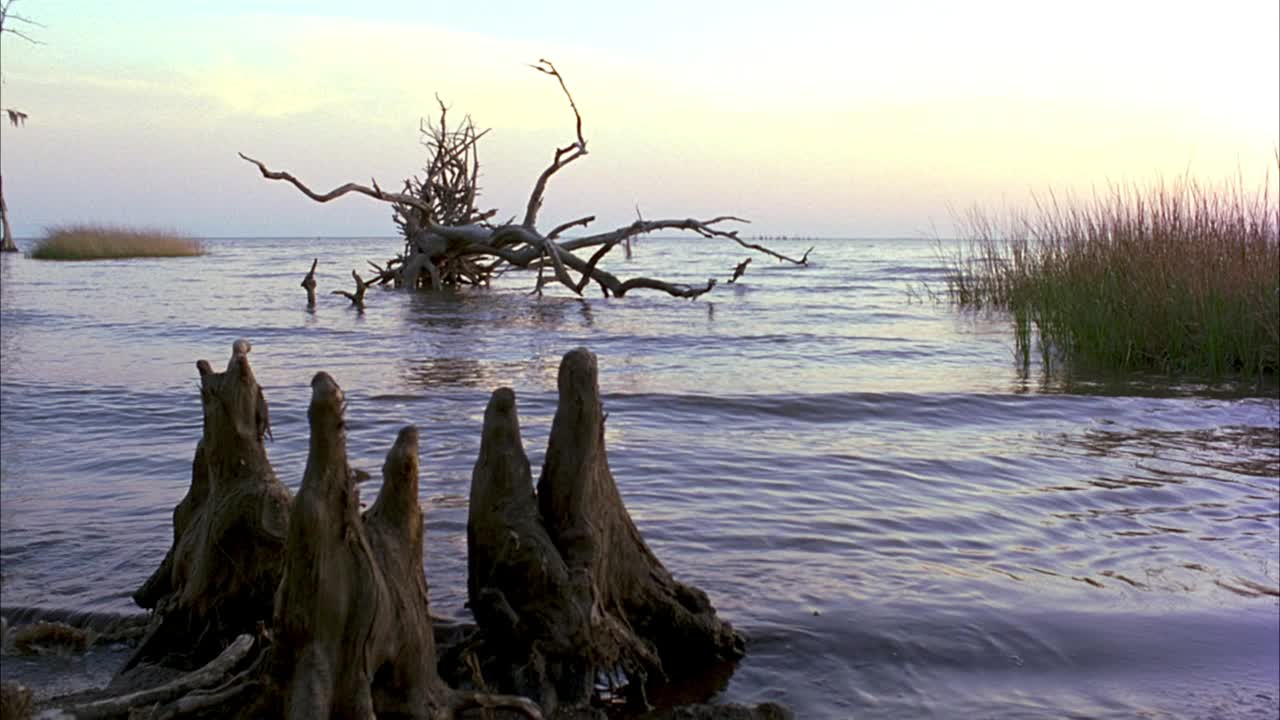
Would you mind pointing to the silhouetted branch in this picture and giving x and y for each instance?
(376, 193)
(583, 221)
(6, 15)
(563, 156)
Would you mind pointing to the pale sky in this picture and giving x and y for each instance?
(847, 119)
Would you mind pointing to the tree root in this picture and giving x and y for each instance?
(208, 675)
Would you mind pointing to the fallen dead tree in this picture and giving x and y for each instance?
(450, 241)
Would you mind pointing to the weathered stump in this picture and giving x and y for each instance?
(353, 634)
(654, 624)
(332, 622)
(534, 620)
(563, 587)
(407, 685)
(219, 577)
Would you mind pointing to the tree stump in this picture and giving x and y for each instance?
(218, 579)
(653, 624)
(408, 684)
(332, 623)
(561, 584)
(353, 633)
(532, 616)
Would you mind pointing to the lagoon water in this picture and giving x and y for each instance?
(903, 520)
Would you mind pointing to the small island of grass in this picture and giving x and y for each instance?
(1176, 278)
(97, 242)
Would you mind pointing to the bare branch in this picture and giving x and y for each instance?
(357, 298)
(23, 35)
(6, 15)
(468, 699)
(583, 221)
(676, 289)
(377, 194)
(804, 259)
(643, 227)
(591, 266)
(309, 283)
(702, 227)
(544, 66)
(563, 156)
(384, 274)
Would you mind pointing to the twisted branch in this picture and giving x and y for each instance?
(375, 192)
(563, 156)
(357, 298)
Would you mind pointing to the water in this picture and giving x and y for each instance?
(903, 521)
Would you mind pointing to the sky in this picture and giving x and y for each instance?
(832, 119)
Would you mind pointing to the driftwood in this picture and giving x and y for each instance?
(309, 283)
(564, 582)
(219, 577)
(448, 240)
(216, 670)
(357, 298)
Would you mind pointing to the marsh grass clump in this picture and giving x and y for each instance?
(98, 242)
(15, 701)
(1177, 278)
(50, 637)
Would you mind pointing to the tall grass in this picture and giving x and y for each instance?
(95, 242)
(1178, 278)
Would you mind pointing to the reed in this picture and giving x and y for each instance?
(96, 242)
(1176, 277)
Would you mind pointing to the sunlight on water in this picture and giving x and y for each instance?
(902, 520)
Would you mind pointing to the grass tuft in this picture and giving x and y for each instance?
(1177, 278)
(97, 242)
